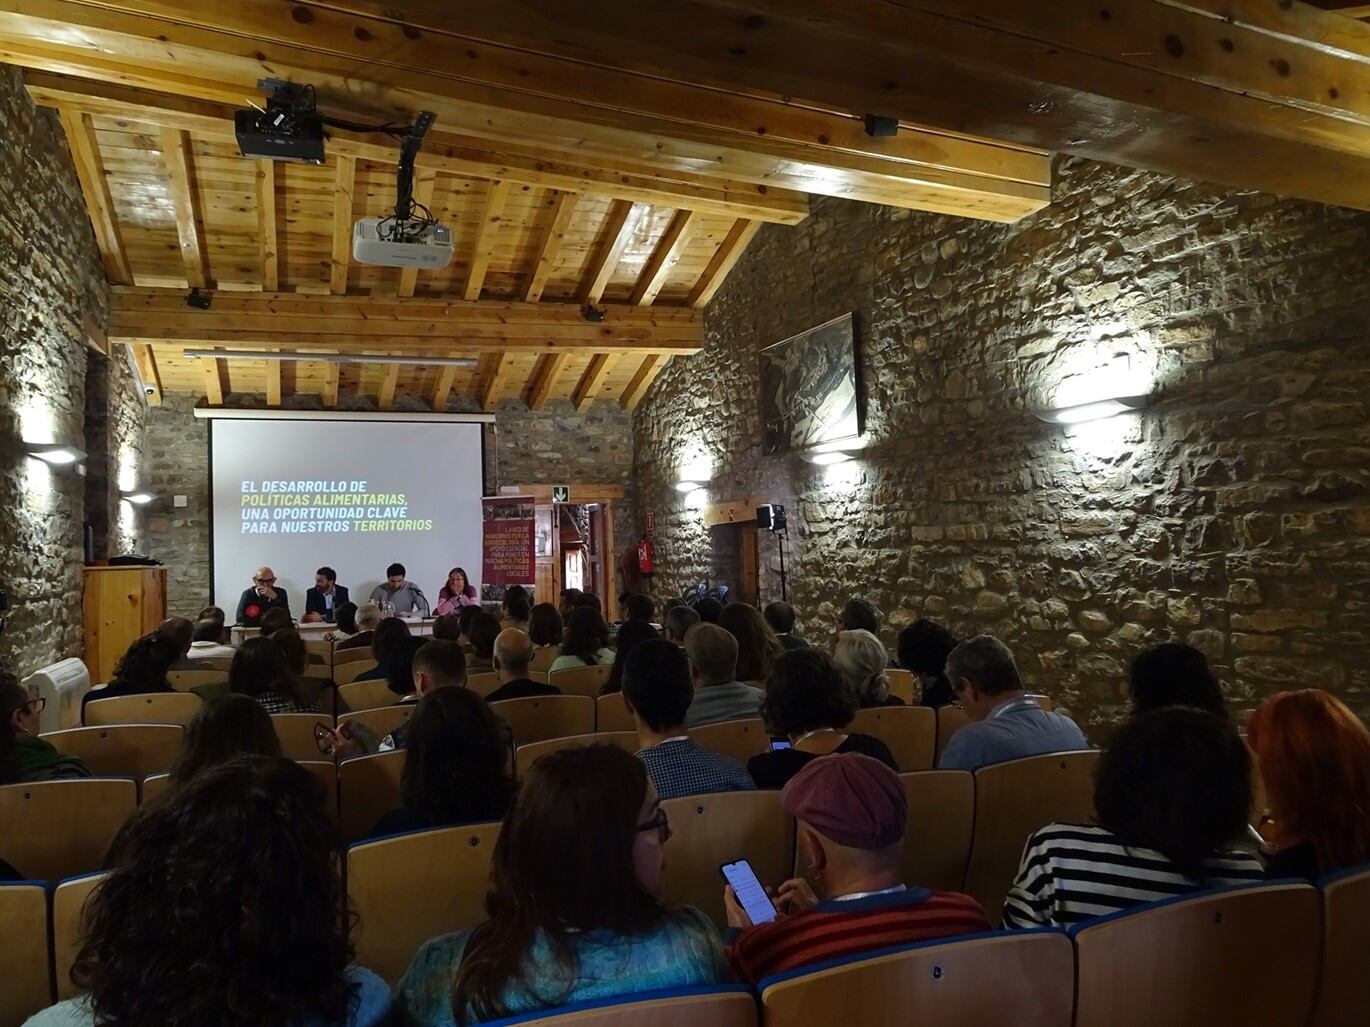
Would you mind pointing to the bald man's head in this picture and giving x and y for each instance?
(513, 652)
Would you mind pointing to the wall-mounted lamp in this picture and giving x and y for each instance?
(54, 453)
(834, 451)
(688, 485)
(139, 497)
(1096, 411)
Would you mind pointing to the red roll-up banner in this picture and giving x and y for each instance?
(509, 557)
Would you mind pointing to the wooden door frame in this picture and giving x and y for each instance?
(582, 494)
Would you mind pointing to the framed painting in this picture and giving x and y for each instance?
(809, 394)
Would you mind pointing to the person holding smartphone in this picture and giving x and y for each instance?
(851, 814)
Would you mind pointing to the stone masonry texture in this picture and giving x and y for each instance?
(1231, 514)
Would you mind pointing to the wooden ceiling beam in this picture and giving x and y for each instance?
(215, 371)
(147, 370)
(592, 381)
(490, 379)
(185, 205)
(344, 182)
(663, 259)
(332, 377)
(385, 398)
(492, 217)
(614, 236)
(266, 225)
(544, 380)
(273, 383)
(424, 183)
(647, 372)
(729, 251)
(442, 387)
(459, 156)
(563, 209)
(90, 172)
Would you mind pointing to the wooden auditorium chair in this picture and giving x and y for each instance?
(543, 658)
(356, 696)
(68, 917)
(1023, 978)
(1014, 799)
(950, 719)
(59, 829)
(737, 739)
(357, 654)
(1344, 988)
(158, 708)
(346, 672)
(383, 720)
(941, 821)
(368, 788)
(580, 680)
(1245, 955)
(910, 732)
(483, 683)
(27, 988)
(904, 685)
(412, 887)
(157, 784)
(612, 715)
(525, 755)
(122, 750)
(185, 680)
(553, 716)
(710, 1006)
(295, 732)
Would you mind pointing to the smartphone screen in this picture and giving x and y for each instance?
(752, 896)
(778, 744)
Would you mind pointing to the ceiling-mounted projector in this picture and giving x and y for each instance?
(426, 245)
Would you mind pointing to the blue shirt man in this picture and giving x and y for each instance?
(1006, 723)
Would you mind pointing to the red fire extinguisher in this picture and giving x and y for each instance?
(645, 555)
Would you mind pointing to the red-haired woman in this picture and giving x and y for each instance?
(1314, 757)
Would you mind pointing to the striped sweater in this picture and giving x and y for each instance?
(835, 929)
(1069, 874)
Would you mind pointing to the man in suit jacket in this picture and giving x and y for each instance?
(262, 596)
(325, 597)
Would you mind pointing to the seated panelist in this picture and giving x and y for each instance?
(405, 597)
(262, 596)
(324, 598)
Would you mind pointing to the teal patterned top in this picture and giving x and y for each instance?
(683, 951)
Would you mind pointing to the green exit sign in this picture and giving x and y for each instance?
(561, 493)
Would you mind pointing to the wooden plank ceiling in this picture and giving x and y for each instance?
(602, 153)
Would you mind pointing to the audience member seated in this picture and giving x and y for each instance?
(344, 621)
(545, 626)
(180, 631)
(456, 593)
(447, 628)
(631, 633)
(1007, 724)
(213, 613)
(590, 601)
(851, 814)
(780, 616)
(260, 596)
(757, 646)
(861, 659)
(366, 620)
(387, 636)
(513, 654)
(221, 907)
(207, 643)
(142, 670)
(301, 692)
(456, 766)
(570, 598)
(575, 903)
(516, 607)
(808, 703)
(585, 642)
(399, 676)
(264, 670)
(678, 620)
(404, 597)
(225, 728)
(713, 669)
(657, 692)
(709, 610)
(1171, 797)
(275, 620)
(859, 614)
(1173, 674)
(435, 664)
(322, 601)
(466, 616)
(483, 632)
(25, 757)
(639, 607)
(1313, 755)
(923, 647)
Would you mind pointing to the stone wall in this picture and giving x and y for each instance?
(1231, 514)
(51, 282)
(116, 413)
(551, 446)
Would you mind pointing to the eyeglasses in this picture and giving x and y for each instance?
(266, 581)
(34, 706)
(659, 823)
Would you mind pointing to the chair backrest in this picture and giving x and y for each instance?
(382, 721)
(1344, 990)
(550, 716)
(57, 829)
(122, 750)
(364, 695)
(320, 647)
(347, 671)
(1046, 702)
(185, 680)
(941, 820)
(581, 680)
(158, 708)
(727, 1006)
(525, 755)
(24, 951)
(369, 787)
(910, 732)
(413, 887)
(356, 654)
(295, 731)
(1011, 801)
(710, 830)
(318, 667)
(544, 657)
(904, 684)
(1244, 955)
(1024, 978)
(737, 739)
(612, 715)
(68, 917)
(950, 719)
(327, 773)
(483, 683)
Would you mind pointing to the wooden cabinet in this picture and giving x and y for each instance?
(121, 604)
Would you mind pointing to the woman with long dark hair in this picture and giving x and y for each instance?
(923, 647)
(456, 593)
(141, 670)
(221, 907)
(757, 644)
(586, 641)
(545, 626)
(226, 727)
(574, 902)
(456, 765)
(1174, 674)
(630, 634)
